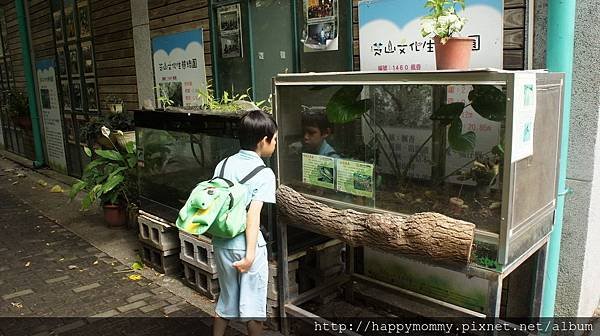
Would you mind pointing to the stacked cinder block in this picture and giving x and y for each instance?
(197, 255)
(321, 266)
(160, 244)
(273, 293)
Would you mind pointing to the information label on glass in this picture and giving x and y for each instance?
(53, 130)
(318, 170)
(523, 116)
(355, 177)
(179, 71)
(391, 40)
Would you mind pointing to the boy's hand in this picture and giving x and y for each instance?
(243, 265)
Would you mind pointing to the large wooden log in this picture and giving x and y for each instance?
(427, 234)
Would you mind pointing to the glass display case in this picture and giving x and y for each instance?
(176, 151)
(481, 146)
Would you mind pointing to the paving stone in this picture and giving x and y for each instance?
(109, 313)
(171, 309)
(154, 306)
(4, 268)
(4, 249)
(131, 306)
(121, 267)
(86, 287)
(139, 297)
(17, 294)
(55, 280)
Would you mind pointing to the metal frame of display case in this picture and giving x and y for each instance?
(518, 239)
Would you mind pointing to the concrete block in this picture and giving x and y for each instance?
(160, 235)
(197, 251)
(205, 283)
(165, 262)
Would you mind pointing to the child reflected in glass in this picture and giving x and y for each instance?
(316, 129)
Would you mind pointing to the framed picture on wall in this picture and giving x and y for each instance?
(73, 60)
(70, 23)
(58, 30)
(91, 96)
(84, 20)
(88, 62)
(62, 62)
(66, 95)
(230, 31)
(77, 96)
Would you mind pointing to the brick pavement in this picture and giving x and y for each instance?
(48, 271)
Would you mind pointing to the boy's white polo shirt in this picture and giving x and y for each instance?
(261, 186)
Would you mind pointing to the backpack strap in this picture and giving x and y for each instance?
(222, 172)
(252, 174)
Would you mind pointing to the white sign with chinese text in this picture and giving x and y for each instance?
(53, 130)
(524, 105)
(179, 71)
(390, 35)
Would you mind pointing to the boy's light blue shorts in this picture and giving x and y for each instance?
(243, 295)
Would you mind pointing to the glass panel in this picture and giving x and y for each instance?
(172, 163)
(402, 148)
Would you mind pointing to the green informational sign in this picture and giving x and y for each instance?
(355, 177)
(318, 170)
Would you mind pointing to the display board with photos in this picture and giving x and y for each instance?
(75, 55)
(230, 31)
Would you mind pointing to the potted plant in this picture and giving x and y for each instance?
(18, 105)
(443, 22)
(110, 178)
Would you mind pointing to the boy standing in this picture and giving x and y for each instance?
(241, 261)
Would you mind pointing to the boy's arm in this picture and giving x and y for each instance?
(252, 228)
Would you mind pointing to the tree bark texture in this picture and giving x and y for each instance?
(431, 235)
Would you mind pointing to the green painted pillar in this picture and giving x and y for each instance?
(30, 83)
(559, 58)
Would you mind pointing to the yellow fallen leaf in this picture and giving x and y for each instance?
(20, 175)
(42, 183)
(17, 304)
(137, 266)
(28, 263)
(96, 262)
(57, 189)
(135, 277)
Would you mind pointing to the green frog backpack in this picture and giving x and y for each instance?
(217, 206)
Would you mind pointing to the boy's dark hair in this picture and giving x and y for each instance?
(254, 126)
(316, 117)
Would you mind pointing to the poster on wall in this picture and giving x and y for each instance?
(53, 129)
(321, 23)
(391, 40)
(179, 71)
(230, 33)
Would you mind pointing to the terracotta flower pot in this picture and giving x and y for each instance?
(115, 215)
(455, 54)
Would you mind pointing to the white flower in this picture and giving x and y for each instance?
(105, 131)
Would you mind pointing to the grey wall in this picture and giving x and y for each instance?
(143, 53)
(578, 292)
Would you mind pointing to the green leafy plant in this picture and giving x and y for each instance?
(110, 177)
(443, 20)
(487, 262)
(231, 102)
